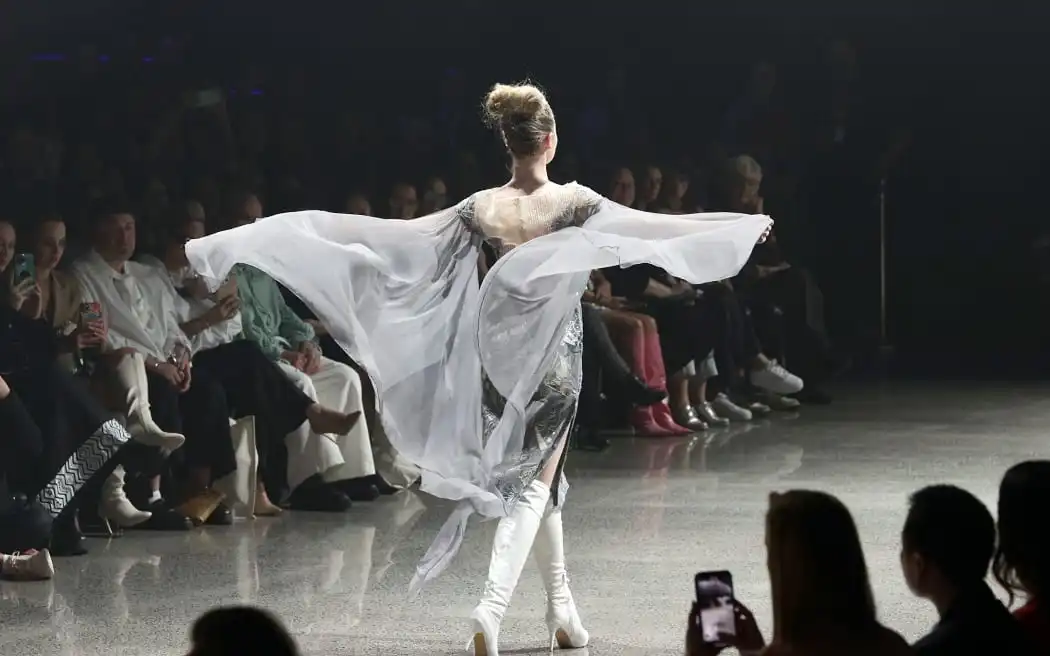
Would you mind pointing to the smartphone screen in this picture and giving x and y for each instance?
(24, 267)
(714, 597)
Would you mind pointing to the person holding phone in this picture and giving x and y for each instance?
(57, 300)
(822, 599)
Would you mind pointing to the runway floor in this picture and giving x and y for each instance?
(641, 519)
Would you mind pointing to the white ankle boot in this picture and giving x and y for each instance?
(114, 505)
(563, 621)
(131, 372)
(510, 549)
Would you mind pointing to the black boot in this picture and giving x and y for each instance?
(629, 388)
(588, 439)
(66, 538)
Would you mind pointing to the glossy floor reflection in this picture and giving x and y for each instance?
(640, 520)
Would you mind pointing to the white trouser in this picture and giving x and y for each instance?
(335, 457)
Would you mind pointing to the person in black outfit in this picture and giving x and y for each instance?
(946, 548)
(61, 443)
(602, 363)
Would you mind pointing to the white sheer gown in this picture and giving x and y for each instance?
(476, 384)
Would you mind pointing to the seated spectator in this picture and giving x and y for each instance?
(435, 196)
(289, 341)
(636, 334)
(289, 424)
(770, 282)
(1022, 561)
(946, 547)
(240, 630)
(822, 599)
(652, 184)
(672, 194)
(142, 320)
(57, 298)
(7, 243)
(403, 204)
(58, 441)
(357, 203)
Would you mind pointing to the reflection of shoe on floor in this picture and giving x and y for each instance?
(780, 403)
(813, 396)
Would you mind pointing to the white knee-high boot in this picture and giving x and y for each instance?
(510, 550)
(563, 621)
(114, 505)
(131, 374)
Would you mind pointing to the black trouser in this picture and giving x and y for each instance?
(793, 297)
(66, 414)
(255, 386)
(201, 414)
(739, 345)
(688, 331)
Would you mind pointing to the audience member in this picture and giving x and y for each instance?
(822, 599)
(233, 630)
(289, 341)
(70, 440)
(435, 196)
(288, 423)
(1022, 561)
(773, 285)
(141, 318)
(403, 204)
(652, 184)
(946, 547)
(357, 203)
(7, 243)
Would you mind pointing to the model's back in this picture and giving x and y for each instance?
(508, 216)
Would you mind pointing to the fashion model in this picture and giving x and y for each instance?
(478, 383)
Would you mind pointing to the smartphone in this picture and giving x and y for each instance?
(24, 267)
(714, 597)
(90, 313)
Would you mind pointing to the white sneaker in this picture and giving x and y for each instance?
(29, 566)
(731, 411)
(776, 379)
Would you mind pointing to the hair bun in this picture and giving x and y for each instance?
(514, 103)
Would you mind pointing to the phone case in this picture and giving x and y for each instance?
(90, 312)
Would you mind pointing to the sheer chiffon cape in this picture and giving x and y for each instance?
(403, 299)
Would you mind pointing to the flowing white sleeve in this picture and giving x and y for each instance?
(529, 292)
(400, 297)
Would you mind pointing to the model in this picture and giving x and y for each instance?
(477, 384)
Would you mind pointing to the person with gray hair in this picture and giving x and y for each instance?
(772, 286)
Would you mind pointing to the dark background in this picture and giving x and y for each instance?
(964, 205)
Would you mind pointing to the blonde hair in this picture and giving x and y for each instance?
(522, 115)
